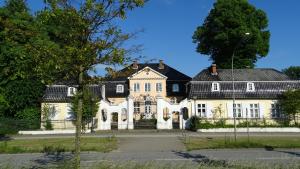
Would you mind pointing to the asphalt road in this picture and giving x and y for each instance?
(156, 147)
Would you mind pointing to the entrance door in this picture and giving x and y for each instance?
(148, 111)
(114, 120)
(175, 120)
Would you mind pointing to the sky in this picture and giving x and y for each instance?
(169, 25)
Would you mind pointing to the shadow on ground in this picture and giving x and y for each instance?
(198, 158)
(4, 137)
(53, 159)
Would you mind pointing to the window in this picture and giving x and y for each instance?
(201, 109)
(71, 91)
(215, 87)
(250, 87)
(275, 111)
(136, 87)
(120, 88)
(175, 88)
(136, 108)
(147, 87)
(237, 110)
(158, 87)
(147, 107)
(254, 110)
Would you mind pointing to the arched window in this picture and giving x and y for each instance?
(185, 113)
(104, 115)
(124, 114)
(166, 115)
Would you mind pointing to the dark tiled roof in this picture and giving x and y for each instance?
(168, 71)
(173, 75)
(263, 90)
(110, 89)
(242, 75)
(59, 93)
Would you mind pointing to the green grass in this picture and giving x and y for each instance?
(210, 164)
(57, 145)
(196, 143)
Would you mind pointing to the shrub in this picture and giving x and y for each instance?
(30, 113)
(48, 125)
(221, 123)
(193, 123)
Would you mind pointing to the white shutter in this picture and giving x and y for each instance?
(209, 110)
(261, 110)
(229, 110)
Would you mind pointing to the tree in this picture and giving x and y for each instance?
(292, 72)
(90, 106)
(86, 35)
(222, 34)
(290, 103)
(19, 80)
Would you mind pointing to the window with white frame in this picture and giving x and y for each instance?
(136, 107)
(71, 91)
(275, 111)
(136, 87)
(250, 87)
(147, 87)
(215, 87)
(254, 110)
(237, 110)
(175, 87)
(120, 88)
(201, 110)
(158, 87)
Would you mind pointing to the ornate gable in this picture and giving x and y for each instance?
(147, 73)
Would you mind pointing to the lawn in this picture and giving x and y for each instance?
(57, 145)
(196, 143)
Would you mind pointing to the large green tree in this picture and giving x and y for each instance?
(223, 34)
(292, 72)
(290, 103)
(87, 35)
(19, 34)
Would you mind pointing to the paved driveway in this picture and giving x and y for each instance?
(150, 144)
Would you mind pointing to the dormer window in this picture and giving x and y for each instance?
(175, 87)
(250, 87)
(215, 87)
(71, 91)
(120, 88)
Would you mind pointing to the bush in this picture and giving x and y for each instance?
(48, 125)
(30, 113)
(221, 123)
(193, 123)
(12, 126)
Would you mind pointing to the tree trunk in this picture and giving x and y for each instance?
(78, 122)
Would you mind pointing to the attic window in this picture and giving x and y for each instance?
(175, 87)
(250, 87)
(215, 87)
(120, 88)
(71, 91)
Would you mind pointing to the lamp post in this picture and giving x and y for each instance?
(233, 89)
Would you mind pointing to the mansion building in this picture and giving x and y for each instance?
(156, 91)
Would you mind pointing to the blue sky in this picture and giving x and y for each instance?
(169, 26)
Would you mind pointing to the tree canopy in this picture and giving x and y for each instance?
(292, 72)
(290, 103)
(223, 34)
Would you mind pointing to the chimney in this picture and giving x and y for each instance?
(161, 64)
(214, 69)
(103, 92)
(135, 65)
